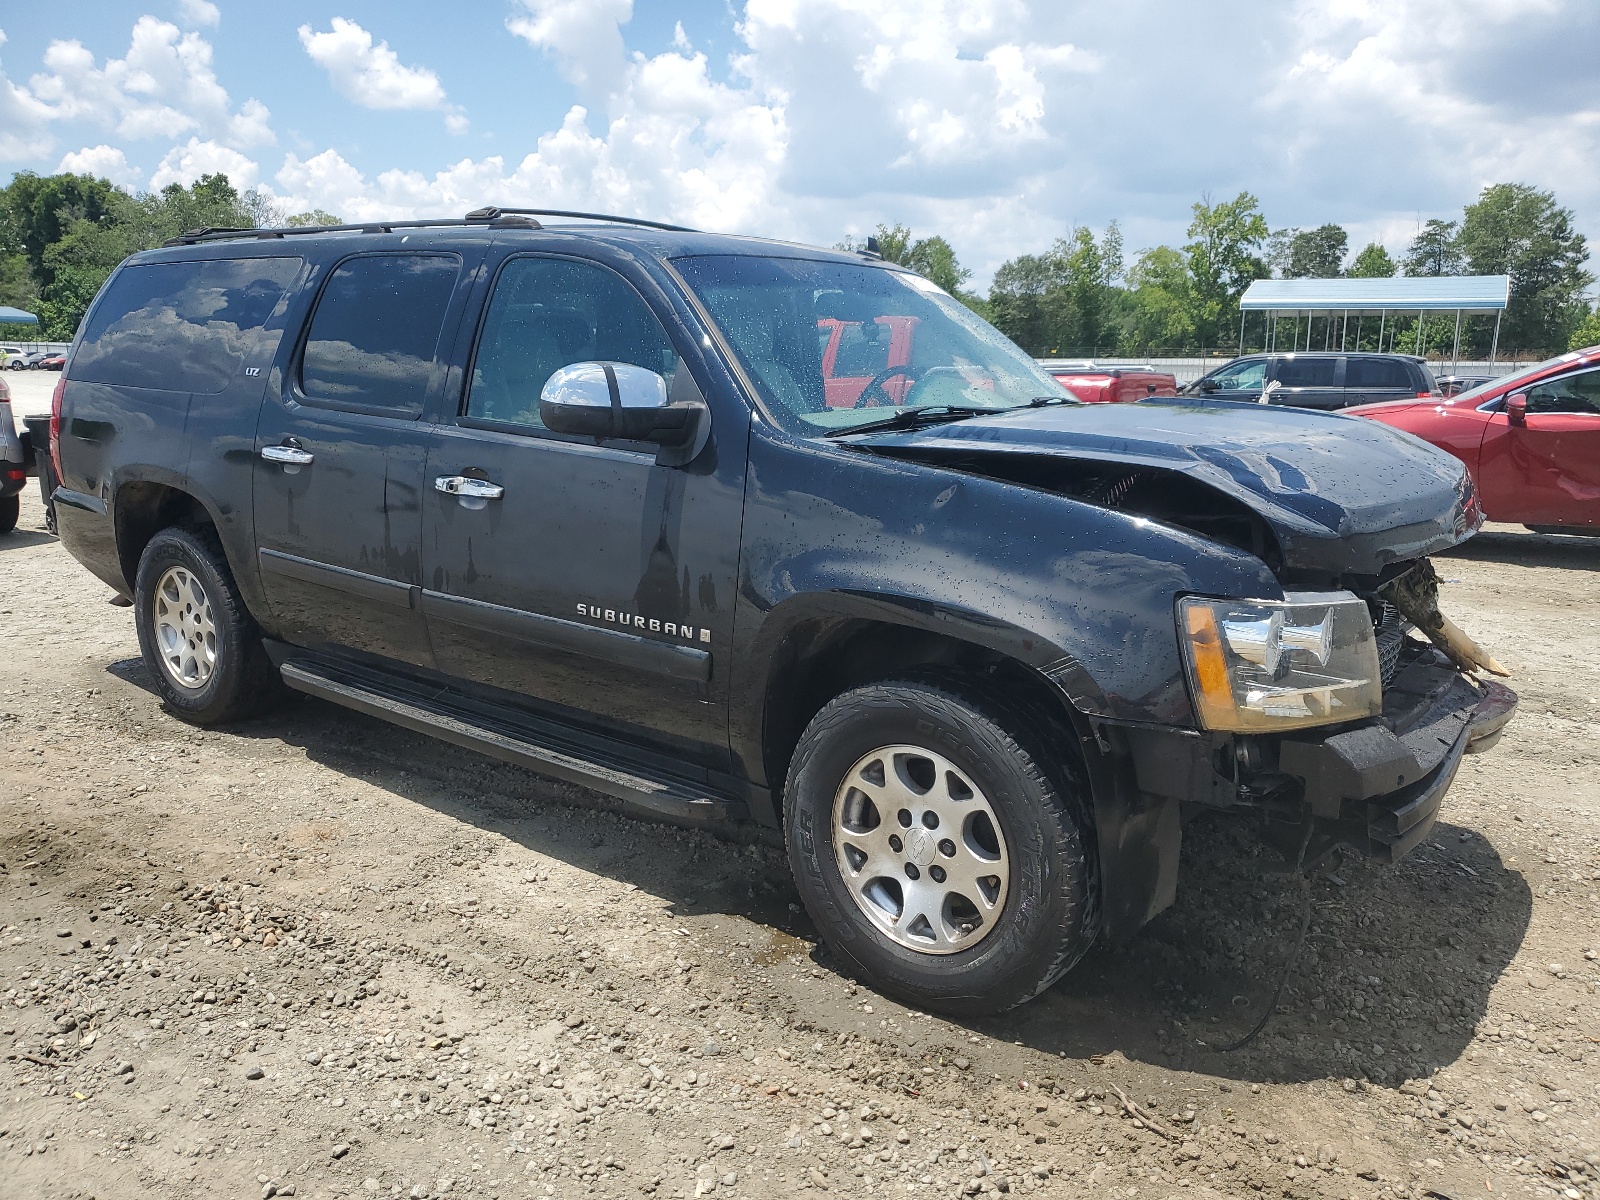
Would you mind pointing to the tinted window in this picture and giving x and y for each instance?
(1578, 393)
(375, 333)
(1377, 373)
(548, 313)
(1241, 376)
(183, 326)
(1306, 372)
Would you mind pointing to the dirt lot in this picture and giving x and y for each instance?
(320, 956)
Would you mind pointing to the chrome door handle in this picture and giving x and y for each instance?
(289, 456)
(472, 493)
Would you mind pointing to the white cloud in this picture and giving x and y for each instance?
(585, 37)
(163, 88)
(185, 164)
(108, 162)
(372, 75)
(999, 123)
(22, 121)
(199, 12)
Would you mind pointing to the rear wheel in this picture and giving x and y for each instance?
(939, 852)
(10, 510)
(199, 641)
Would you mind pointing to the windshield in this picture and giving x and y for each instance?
(1481, 392)
(835, 345)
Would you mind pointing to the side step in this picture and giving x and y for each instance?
(434, 715)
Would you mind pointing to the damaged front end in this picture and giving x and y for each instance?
(1369, 776)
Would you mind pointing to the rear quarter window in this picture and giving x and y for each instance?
(1378, 373)
(183, 326)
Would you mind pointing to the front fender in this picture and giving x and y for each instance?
(1082, 594)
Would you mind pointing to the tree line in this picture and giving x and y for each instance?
(62, 235)
(1081, 297)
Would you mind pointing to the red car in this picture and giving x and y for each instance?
(1531, 441)
(1111, 385)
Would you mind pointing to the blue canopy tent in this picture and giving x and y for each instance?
(15, 316)
(1336, 299)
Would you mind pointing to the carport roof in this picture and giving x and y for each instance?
(1361, 297)
(15, 316)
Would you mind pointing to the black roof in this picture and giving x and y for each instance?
(655, 238)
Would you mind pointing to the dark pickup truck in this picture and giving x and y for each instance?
(579, 496)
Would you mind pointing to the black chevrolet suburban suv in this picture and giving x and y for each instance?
(579, 496)
(1320, 380)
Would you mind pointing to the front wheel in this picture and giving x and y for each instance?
(199, 641)
(940, 852)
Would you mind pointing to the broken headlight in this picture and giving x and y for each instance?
(1256, 665)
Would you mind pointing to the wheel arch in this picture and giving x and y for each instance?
(143, 508)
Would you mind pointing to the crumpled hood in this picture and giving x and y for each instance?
(1341, 494)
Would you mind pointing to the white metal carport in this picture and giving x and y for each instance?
(1335, 299)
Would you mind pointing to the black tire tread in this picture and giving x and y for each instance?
(257, 685)
(1022, 737)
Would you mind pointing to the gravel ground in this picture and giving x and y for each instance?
(315, 955)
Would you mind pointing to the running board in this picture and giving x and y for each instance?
(434, 715)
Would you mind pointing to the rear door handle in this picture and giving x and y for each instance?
(472, 493)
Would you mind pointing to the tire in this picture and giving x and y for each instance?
(985, 954)
(10, 510)
(202, 647)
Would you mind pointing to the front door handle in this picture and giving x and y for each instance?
(289, 456)
(472, 493)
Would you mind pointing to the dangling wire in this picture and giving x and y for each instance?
(1304, 877)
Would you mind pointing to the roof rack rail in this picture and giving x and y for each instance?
(515, 217)
(283, 231)
(491, 213)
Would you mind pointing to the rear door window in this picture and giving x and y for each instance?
(183, 326)
(374, 336)
(1377, 373)
(1307, 372)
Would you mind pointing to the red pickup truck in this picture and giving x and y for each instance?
(1096, 384)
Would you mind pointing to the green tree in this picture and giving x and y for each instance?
(1225, 239)
(1436, 250)
(35, 210)
(316, 216)
(1160, 309)
(1372, 263)
(17, 288)
(1514, 229)
(1317, 253)
(1585, 333)
(931, 257)
(1065, 300)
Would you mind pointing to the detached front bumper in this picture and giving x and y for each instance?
(1378, 788)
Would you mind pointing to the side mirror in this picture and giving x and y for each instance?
(605, 400)
(1517, 409)
(1206, 386)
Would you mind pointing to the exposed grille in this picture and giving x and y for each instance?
(1391, 635)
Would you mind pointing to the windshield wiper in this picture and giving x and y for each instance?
(910, 418)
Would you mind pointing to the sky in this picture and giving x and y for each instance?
(1000, 124)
